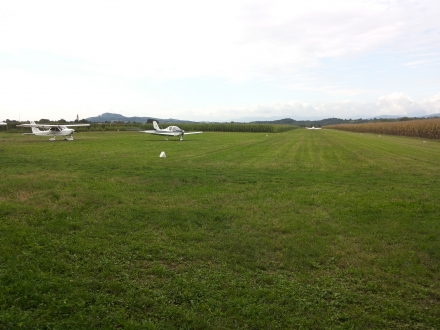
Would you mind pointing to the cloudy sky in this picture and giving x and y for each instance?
(219, 60)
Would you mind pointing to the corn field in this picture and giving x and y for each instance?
(229, 127)
(236, 127)
(423, 128)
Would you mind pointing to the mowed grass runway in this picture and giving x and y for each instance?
(302, 229)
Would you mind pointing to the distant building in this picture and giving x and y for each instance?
(77, 117)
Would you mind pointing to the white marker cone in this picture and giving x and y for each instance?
(163, 155)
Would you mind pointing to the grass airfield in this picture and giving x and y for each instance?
(302, 229)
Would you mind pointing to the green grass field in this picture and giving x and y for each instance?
(296, 230)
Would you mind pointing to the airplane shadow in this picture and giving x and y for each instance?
(163, 141)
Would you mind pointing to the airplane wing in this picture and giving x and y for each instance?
(49, 126)
(162, 133)
(33, 125)
(171, 133)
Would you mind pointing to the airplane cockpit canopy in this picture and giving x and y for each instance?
(57, 128)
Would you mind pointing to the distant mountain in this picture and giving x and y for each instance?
(269, 119)
(320, 122)
(110, 117)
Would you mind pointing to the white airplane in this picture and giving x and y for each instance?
(52, 130)
(169, 131)
(313, 127)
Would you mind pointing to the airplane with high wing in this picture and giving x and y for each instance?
(313, 127)
(52, 130)
(169, 131)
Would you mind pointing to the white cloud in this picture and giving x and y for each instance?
(232, 39)
(431, 105)
(63, 97)
(88, 55)
(396, 104)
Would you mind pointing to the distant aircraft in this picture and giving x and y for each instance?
(313, 127)
(169, 131)
(52, 130)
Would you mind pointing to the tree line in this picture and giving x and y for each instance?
(133, 126)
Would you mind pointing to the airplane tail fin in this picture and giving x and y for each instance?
(34, 129)
(155, 125)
